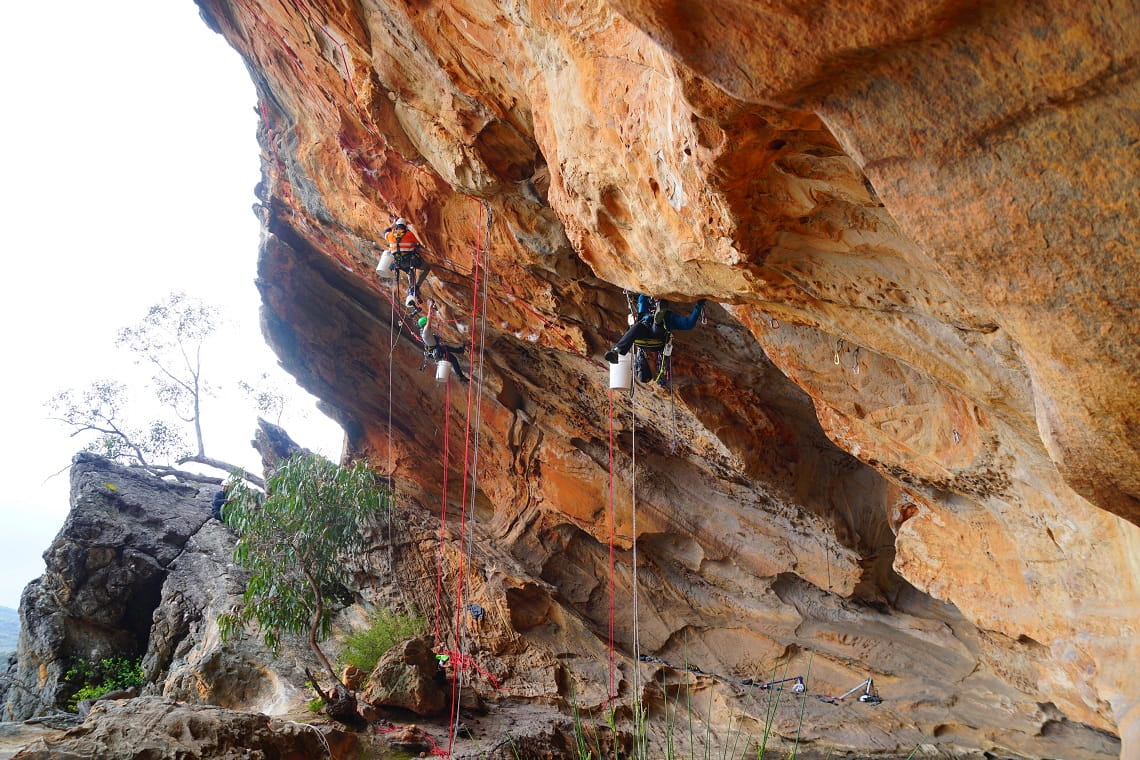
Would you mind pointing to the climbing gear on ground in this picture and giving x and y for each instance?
(869, 696)
(798, 687)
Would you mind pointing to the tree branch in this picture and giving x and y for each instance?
(83, 427)
(162, 470)
(226, 466)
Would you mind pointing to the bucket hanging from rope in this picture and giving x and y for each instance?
(621, 374)
(384, 268)
(442, 370)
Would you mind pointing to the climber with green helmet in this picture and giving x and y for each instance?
(437, 351)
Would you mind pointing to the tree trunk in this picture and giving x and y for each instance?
(315, 626)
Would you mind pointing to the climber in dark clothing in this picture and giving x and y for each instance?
(218, 503)
(651, 330)
(436, 351)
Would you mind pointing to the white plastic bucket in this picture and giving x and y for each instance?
(384, 268)
(621, 374)
(442, 370)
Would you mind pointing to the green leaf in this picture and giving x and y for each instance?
(296, 539)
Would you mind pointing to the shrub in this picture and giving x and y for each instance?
(92, 680)
(298, 541)
(385, 629)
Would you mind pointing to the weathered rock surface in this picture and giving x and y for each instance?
(186, 658)
(104, 576)
(405, 677)
(141, 570)
(904, 445)
(15, 736)
(163, 729)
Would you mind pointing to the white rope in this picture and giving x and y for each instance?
(633, 503)
(672, 402)
(391, 463)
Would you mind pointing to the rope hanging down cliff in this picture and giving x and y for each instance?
(474, 397)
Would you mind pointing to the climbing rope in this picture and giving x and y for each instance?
(633, 506)
(827, 555)
(470, 454)
(612, 691)
(672, 410)
(443, 511)
(390, 462)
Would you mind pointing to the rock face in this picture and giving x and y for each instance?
(186, 658)
(903, 445)
(164, 729)
(104, 576)
(140, 570)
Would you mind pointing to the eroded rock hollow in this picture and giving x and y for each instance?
(902, 443)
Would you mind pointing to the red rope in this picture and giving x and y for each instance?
(463, 502)
(435, 751)
(466, 662)
(546, 322)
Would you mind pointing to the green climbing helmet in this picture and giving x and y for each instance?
(421, 321)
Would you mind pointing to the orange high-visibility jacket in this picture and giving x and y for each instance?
(397, 243)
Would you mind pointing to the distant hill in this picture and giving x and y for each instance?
(9, 629)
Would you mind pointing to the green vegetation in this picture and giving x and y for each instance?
(92, 680)
(298, 541)
(385, 629)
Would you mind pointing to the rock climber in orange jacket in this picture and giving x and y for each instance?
(405, 248)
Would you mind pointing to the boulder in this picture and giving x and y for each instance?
(104, 576)
(141, 569)
(408, 677)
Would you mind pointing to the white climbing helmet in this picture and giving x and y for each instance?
(401, 222)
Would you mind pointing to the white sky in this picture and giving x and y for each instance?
(129, 161)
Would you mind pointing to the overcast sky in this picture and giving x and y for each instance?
(129, 165)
